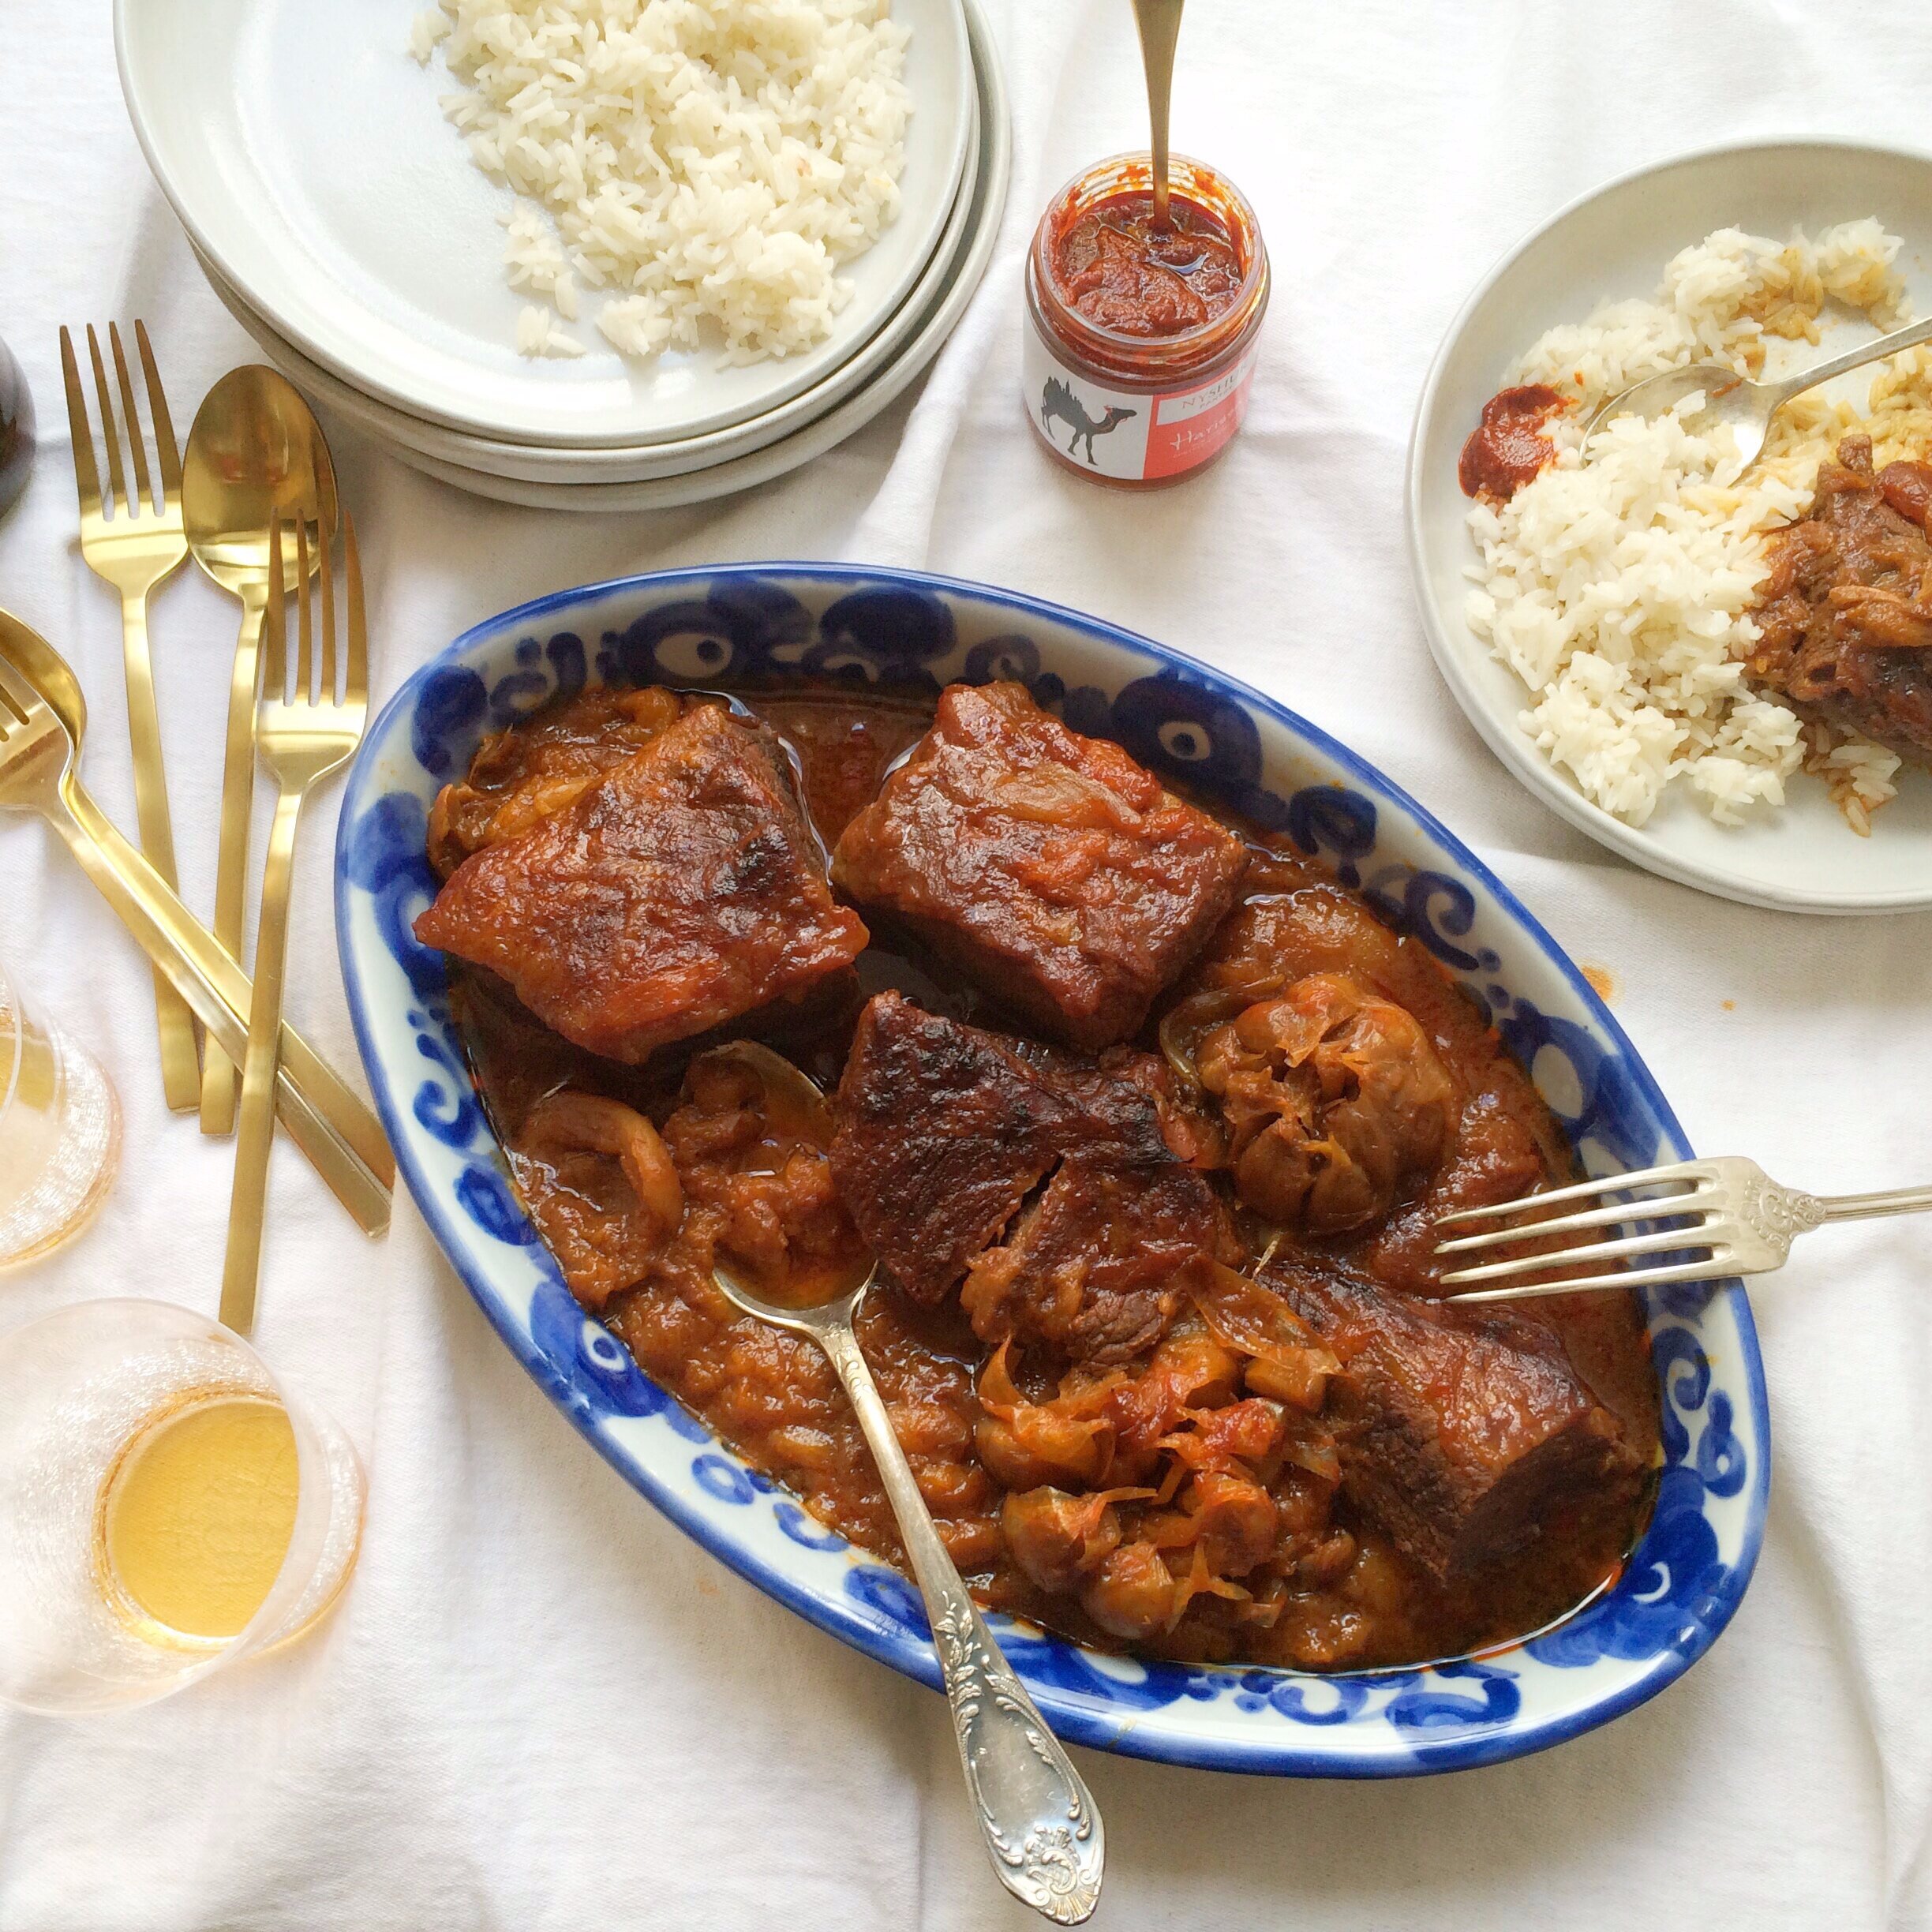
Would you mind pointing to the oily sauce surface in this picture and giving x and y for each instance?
(1215, 1508)
(1120, 269)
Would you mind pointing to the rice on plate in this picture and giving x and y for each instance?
(695, 163)
(1619, 590)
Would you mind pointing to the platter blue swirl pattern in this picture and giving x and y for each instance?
(757, 626)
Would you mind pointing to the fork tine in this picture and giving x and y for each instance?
(357, 691)
(163, 425)
(1626, 1278)
(20, 697)
(116, 481)
(87, 478)
(1661, 1242)
(1584, 1190)
(10, 713)
(325, 583)
(137, 443)
(304, 621)
(272, 671)
(1651, 1210)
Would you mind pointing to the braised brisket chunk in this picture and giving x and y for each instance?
(1093, 1268)
(538, 766)
(1845, 619)
(680, 891)
(1465, 1438)
(944, 1132)
(1052, 870)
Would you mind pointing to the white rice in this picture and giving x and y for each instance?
(1618, 589)
(708, 165)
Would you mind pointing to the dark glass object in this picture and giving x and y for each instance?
(17, 430)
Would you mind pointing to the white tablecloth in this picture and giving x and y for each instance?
(539, 1704)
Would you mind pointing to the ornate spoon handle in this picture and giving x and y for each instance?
(1036, 1815)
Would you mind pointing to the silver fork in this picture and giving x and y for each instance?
(1727, 1216)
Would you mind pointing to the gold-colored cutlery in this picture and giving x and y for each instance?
(134, 540)
(255, 453)
(43, 721)
(305, 730)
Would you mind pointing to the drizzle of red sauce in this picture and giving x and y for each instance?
(1507, 447)
(1119, 269)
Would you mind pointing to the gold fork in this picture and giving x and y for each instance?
(304, 731)
(134, 540)
(42, 723)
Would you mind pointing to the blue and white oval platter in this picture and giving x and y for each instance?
(717, 627)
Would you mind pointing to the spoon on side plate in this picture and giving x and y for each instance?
(1036, 1816)
(256, 451)
(1744, 407)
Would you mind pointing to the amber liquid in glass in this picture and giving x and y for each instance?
(195, 1517)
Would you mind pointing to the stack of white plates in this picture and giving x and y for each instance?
(338, 216)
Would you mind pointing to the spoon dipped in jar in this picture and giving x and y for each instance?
(1036, 1815)
(1160, 24)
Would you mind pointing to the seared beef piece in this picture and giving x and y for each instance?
(944, 1129)
(538, 766)
(942, 1132)
(681, 891)
(1846, 616)
(1052, 869)
(1465, 1438)
(1094, 1267)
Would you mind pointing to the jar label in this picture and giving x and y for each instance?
(1132, 437)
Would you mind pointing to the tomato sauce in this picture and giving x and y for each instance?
(1507, 447)
(1124, 270)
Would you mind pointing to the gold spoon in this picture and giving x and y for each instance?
(256, 451)
(1036, 1816)
(43, 721)
(1159, 23)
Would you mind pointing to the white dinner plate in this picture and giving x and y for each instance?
(1615, 241)
(306, 154)
(675, 456)
(815, 438)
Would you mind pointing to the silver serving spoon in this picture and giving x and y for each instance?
(1159, 23)
(1036, 1815)
(1747, 407)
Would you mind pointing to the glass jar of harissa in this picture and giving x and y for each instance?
(1140, 343)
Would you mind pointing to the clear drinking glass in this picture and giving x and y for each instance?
(85, 1394)
(60, 1132)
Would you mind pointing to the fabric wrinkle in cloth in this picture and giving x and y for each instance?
(539, 1705)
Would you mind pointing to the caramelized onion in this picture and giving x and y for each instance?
(592, 1124)
(1032, 1445)
(1256, 1322)
(1186, 1023)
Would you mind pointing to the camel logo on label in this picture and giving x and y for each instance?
(1134, 438)
(1057, 401)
